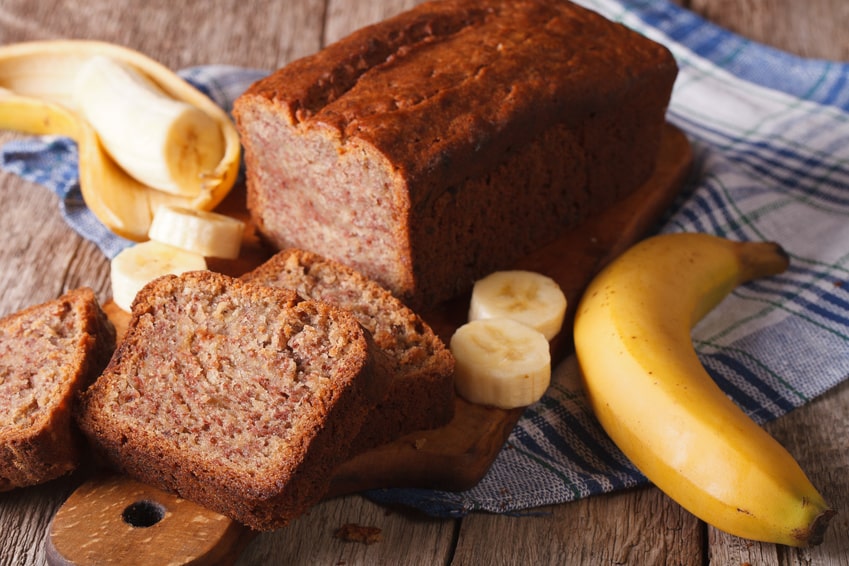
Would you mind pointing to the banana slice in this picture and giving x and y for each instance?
(206, 233)
(525, 296)
(161, 142)
(136, 266)
(501, 363)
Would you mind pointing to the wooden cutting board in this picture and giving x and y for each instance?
(125, 522)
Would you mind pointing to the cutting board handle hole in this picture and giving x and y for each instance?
(144, 513)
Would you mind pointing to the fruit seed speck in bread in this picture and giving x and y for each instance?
(444, 143)
(239, 397)
(48, 353)
(421, 391)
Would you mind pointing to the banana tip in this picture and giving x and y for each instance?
(782, 253)
(761, 259)
(814, 535)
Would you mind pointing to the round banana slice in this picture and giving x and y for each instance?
(525, 296)
(136, 266)
(501, 363)
(206, 233)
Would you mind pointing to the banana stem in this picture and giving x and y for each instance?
(761, 259)
(816, 532)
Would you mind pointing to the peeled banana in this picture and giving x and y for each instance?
(37, 84)
(164, 143)
(525, 296)
(500, 363)
(654, 398)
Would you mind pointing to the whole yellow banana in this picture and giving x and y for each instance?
(655, 400)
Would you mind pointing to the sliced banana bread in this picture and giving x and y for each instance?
(48, 353)
(421, 391)
(239, 397)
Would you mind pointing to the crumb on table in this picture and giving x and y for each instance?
(350, 532)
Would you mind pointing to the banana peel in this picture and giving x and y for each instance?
(36, 97)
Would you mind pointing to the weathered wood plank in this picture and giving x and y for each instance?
(37, 244)
(245, 33)
(345, 16)
(404, 538)
(810, 29)
(633, 527)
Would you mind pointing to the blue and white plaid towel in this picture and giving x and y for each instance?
(770, 134)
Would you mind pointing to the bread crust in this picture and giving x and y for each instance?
(48, 353)
(447, 142)
(239, 397)
(420, 395)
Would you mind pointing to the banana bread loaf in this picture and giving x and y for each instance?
(421, 390)
(445, 143)
(239, 397)
(48, 353)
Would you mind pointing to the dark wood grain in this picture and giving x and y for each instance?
(815, 28)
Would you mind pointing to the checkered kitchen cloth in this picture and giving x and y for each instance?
(770, 133)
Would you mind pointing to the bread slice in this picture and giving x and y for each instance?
(48, 353)
(239, 397)
(421, 391)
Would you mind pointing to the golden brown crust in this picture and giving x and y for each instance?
(421, 392)
(450, 140)
(48, 353)
(466, 77)
(239, 397)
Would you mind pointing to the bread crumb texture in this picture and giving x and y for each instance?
(223, 391)
(48, 352)
(421, 392)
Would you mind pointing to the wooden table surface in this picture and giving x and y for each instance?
(40, 258)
